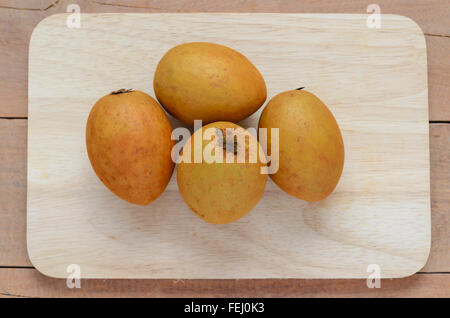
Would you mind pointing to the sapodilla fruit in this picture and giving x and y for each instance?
(209, 82)
(221, 192)
(311, 149)
(128, 139)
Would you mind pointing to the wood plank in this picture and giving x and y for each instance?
(439, 260)
(13, 192)
(30, 283)
(29, 5)
(438, 49)
(17, 26)
(17, 23)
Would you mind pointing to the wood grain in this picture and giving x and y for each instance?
(438, 49)
(366, 80)
(20, 17)
(17, 26)
(13, 190)
(440, 198)
(30, 283)
(28, 5)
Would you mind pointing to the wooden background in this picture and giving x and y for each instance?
(19, 278)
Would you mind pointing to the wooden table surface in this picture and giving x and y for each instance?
(19, 278)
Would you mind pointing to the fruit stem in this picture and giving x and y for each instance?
(122, 91)
(222, 133)
(300, 88)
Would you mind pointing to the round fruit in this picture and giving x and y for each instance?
(128, 139)
(225, 189)
(208, 81)
(311, 149)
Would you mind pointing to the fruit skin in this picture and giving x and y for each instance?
(311, 149)
(208, 81)
(128, 139)
(221, 192)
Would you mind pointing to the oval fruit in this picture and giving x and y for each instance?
(311, 149)
(221, 192)
(128, 139)
(208, 81)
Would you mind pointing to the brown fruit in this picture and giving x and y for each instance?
(208, 81)
(222, 192)
(128, 139)
(311, 149)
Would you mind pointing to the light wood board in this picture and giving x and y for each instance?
(373, 80)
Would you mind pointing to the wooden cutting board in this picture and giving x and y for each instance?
(373, 79)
